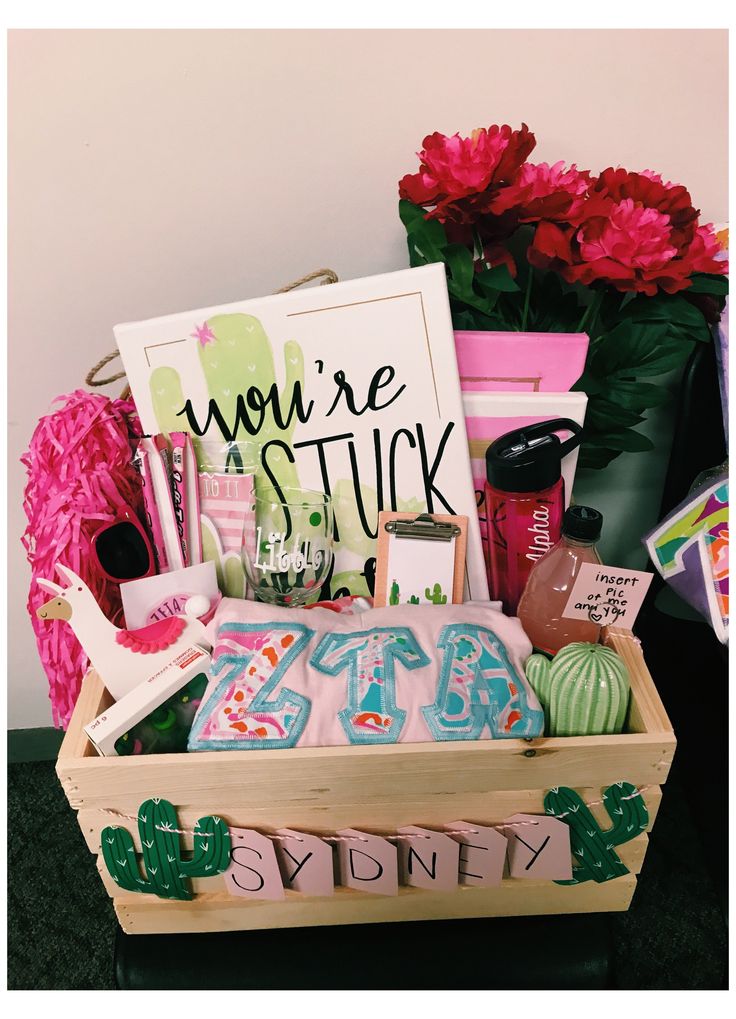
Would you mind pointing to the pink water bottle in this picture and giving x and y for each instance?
(525, 500)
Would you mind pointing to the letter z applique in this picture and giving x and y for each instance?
(239, 714)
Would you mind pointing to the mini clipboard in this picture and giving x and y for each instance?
(420, 559)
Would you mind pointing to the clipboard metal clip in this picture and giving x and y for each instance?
(423, 527)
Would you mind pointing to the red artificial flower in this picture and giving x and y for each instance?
(551, 247)
(458, 177)
(544, 192)
(648, 190)
(632, 232)
(630, 248)
(706, 254)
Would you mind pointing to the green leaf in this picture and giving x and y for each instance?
(497, 278)
(636, 395)
(601, 414)
(708, 283)
(632, 350)
(460, 263)
(596, 457)
(627, 441)
(410, 214)
(668, 308)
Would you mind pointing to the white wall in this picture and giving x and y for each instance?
(154, 171)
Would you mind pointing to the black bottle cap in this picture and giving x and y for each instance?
(582, 522)
(530, 459)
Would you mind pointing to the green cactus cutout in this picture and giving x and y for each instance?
(167, 874)
(413, 600)
(593, 848)
(393, 598)
(435, 595)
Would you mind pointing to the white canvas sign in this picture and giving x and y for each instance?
(351, 389)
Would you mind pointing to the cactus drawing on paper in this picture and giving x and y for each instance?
(593, 849)
(435, 595)
(167, 874)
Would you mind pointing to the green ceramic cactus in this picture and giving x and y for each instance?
(167, 874)
(584, 690)
(593, 848)
(435, 595)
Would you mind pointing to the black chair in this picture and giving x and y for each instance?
(515, 953)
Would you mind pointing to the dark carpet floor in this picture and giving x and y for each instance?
(61, 925)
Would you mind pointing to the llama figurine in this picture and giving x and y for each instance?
(123, 658)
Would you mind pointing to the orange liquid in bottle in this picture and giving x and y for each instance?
(547, 592)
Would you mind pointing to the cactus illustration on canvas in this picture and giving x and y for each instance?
(236, 359)
(435, 595)
(167, 874)
(593, 848)
(236, 356)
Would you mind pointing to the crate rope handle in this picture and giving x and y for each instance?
(355, 838)
(325, 276)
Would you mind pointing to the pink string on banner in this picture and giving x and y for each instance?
(391, 837)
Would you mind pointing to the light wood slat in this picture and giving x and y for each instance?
(322, 779)
(646, 712)
(631, 855)
(145, 915)
(386, 816)
(92, 700)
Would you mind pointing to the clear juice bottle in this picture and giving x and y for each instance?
(550, 582)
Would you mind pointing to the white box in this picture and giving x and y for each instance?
(105, 730)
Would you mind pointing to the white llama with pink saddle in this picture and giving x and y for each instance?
(123, 658)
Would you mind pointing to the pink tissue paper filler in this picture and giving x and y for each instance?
(80, 475)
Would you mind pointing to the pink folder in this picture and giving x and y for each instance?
(519, 362)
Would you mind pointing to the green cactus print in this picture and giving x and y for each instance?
(593, 848)
(435, 595)
(167, 874)
(413, 600)
(393, 598)
(238, 358)
(235, 355)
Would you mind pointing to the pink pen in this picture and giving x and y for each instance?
(152, 515)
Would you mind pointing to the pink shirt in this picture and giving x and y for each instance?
(313, 677)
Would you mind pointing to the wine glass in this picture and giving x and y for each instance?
(288, 554)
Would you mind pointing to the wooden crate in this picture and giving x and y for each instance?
(375, 788)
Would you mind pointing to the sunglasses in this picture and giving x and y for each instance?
(123, 549)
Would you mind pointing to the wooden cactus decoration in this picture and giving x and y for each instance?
(167, 875)
(593, 848)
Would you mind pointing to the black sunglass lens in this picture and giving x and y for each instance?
(122, 552)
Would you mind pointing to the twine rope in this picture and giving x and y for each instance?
(325, 276)
(357, 838)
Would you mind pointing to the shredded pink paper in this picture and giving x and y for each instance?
(80, 476)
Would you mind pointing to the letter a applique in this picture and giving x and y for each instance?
(479, 687)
